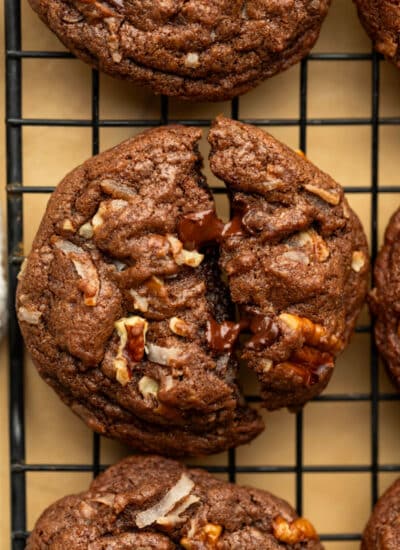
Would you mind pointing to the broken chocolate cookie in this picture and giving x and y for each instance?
(193, 49)
(384, 299)
(296, 258)
(155, 503)
(381, 19)
(116, 310)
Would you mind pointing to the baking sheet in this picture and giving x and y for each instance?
(334, 433)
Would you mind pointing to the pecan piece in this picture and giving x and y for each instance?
(182, 256)
(180, 327)
(358, 261)
(208, 535)
(297, 531)
(312, 333)
(132, 335)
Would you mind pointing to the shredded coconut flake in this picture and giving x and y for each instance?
(179, 491)
(174, 517)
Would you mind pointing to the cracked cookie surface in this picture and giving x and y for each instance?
(384, 299)
(155, 503)
(381, 20)
(117, 313)
(383, 528)
(296, 258)
(194, 49)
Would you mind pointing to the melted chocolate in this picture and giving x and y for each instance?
(222, 336)
(310, 364)
(200, 228)
(264, 329)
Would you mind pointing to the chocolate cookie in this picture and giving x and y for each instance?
(155, 503)
(383, 529)
(384, 299)
(194, 49)
(381, 19)
(129, 327)
(296, 259)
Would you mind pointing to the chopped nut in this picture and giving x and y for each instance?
(67, 225)
(169, 382)
(182, 256)
(311, 237)
(139, 302)
(302, 238)
(132, 334)
(357, 261)
(266, 364)
(296, 256)
(346, 210)
(388, 46)
(90, 282)
(148, 386)
(84, 266)
(157, 287)
(208, 535)
(86, 510)
(107, 207)
(162, 356)
(117, 189)
(313, 333)
(179, 326)
(86, 230)
(270, 185)
(192, 60)
(331, 197)
(117, 57)
(31, 316)
(297, 531)
(122, 373)
(22, 269)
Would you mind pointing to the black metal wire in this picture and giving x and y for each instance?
(15, 191)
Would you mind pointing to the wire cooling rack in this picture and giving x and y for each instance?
(15, 191)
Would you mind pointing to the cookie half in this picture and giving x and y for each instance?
(156, 503)
(116, 312)
(383, 528)
(193, 49)
(296, 259)
(381, 20)
(384, 299)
